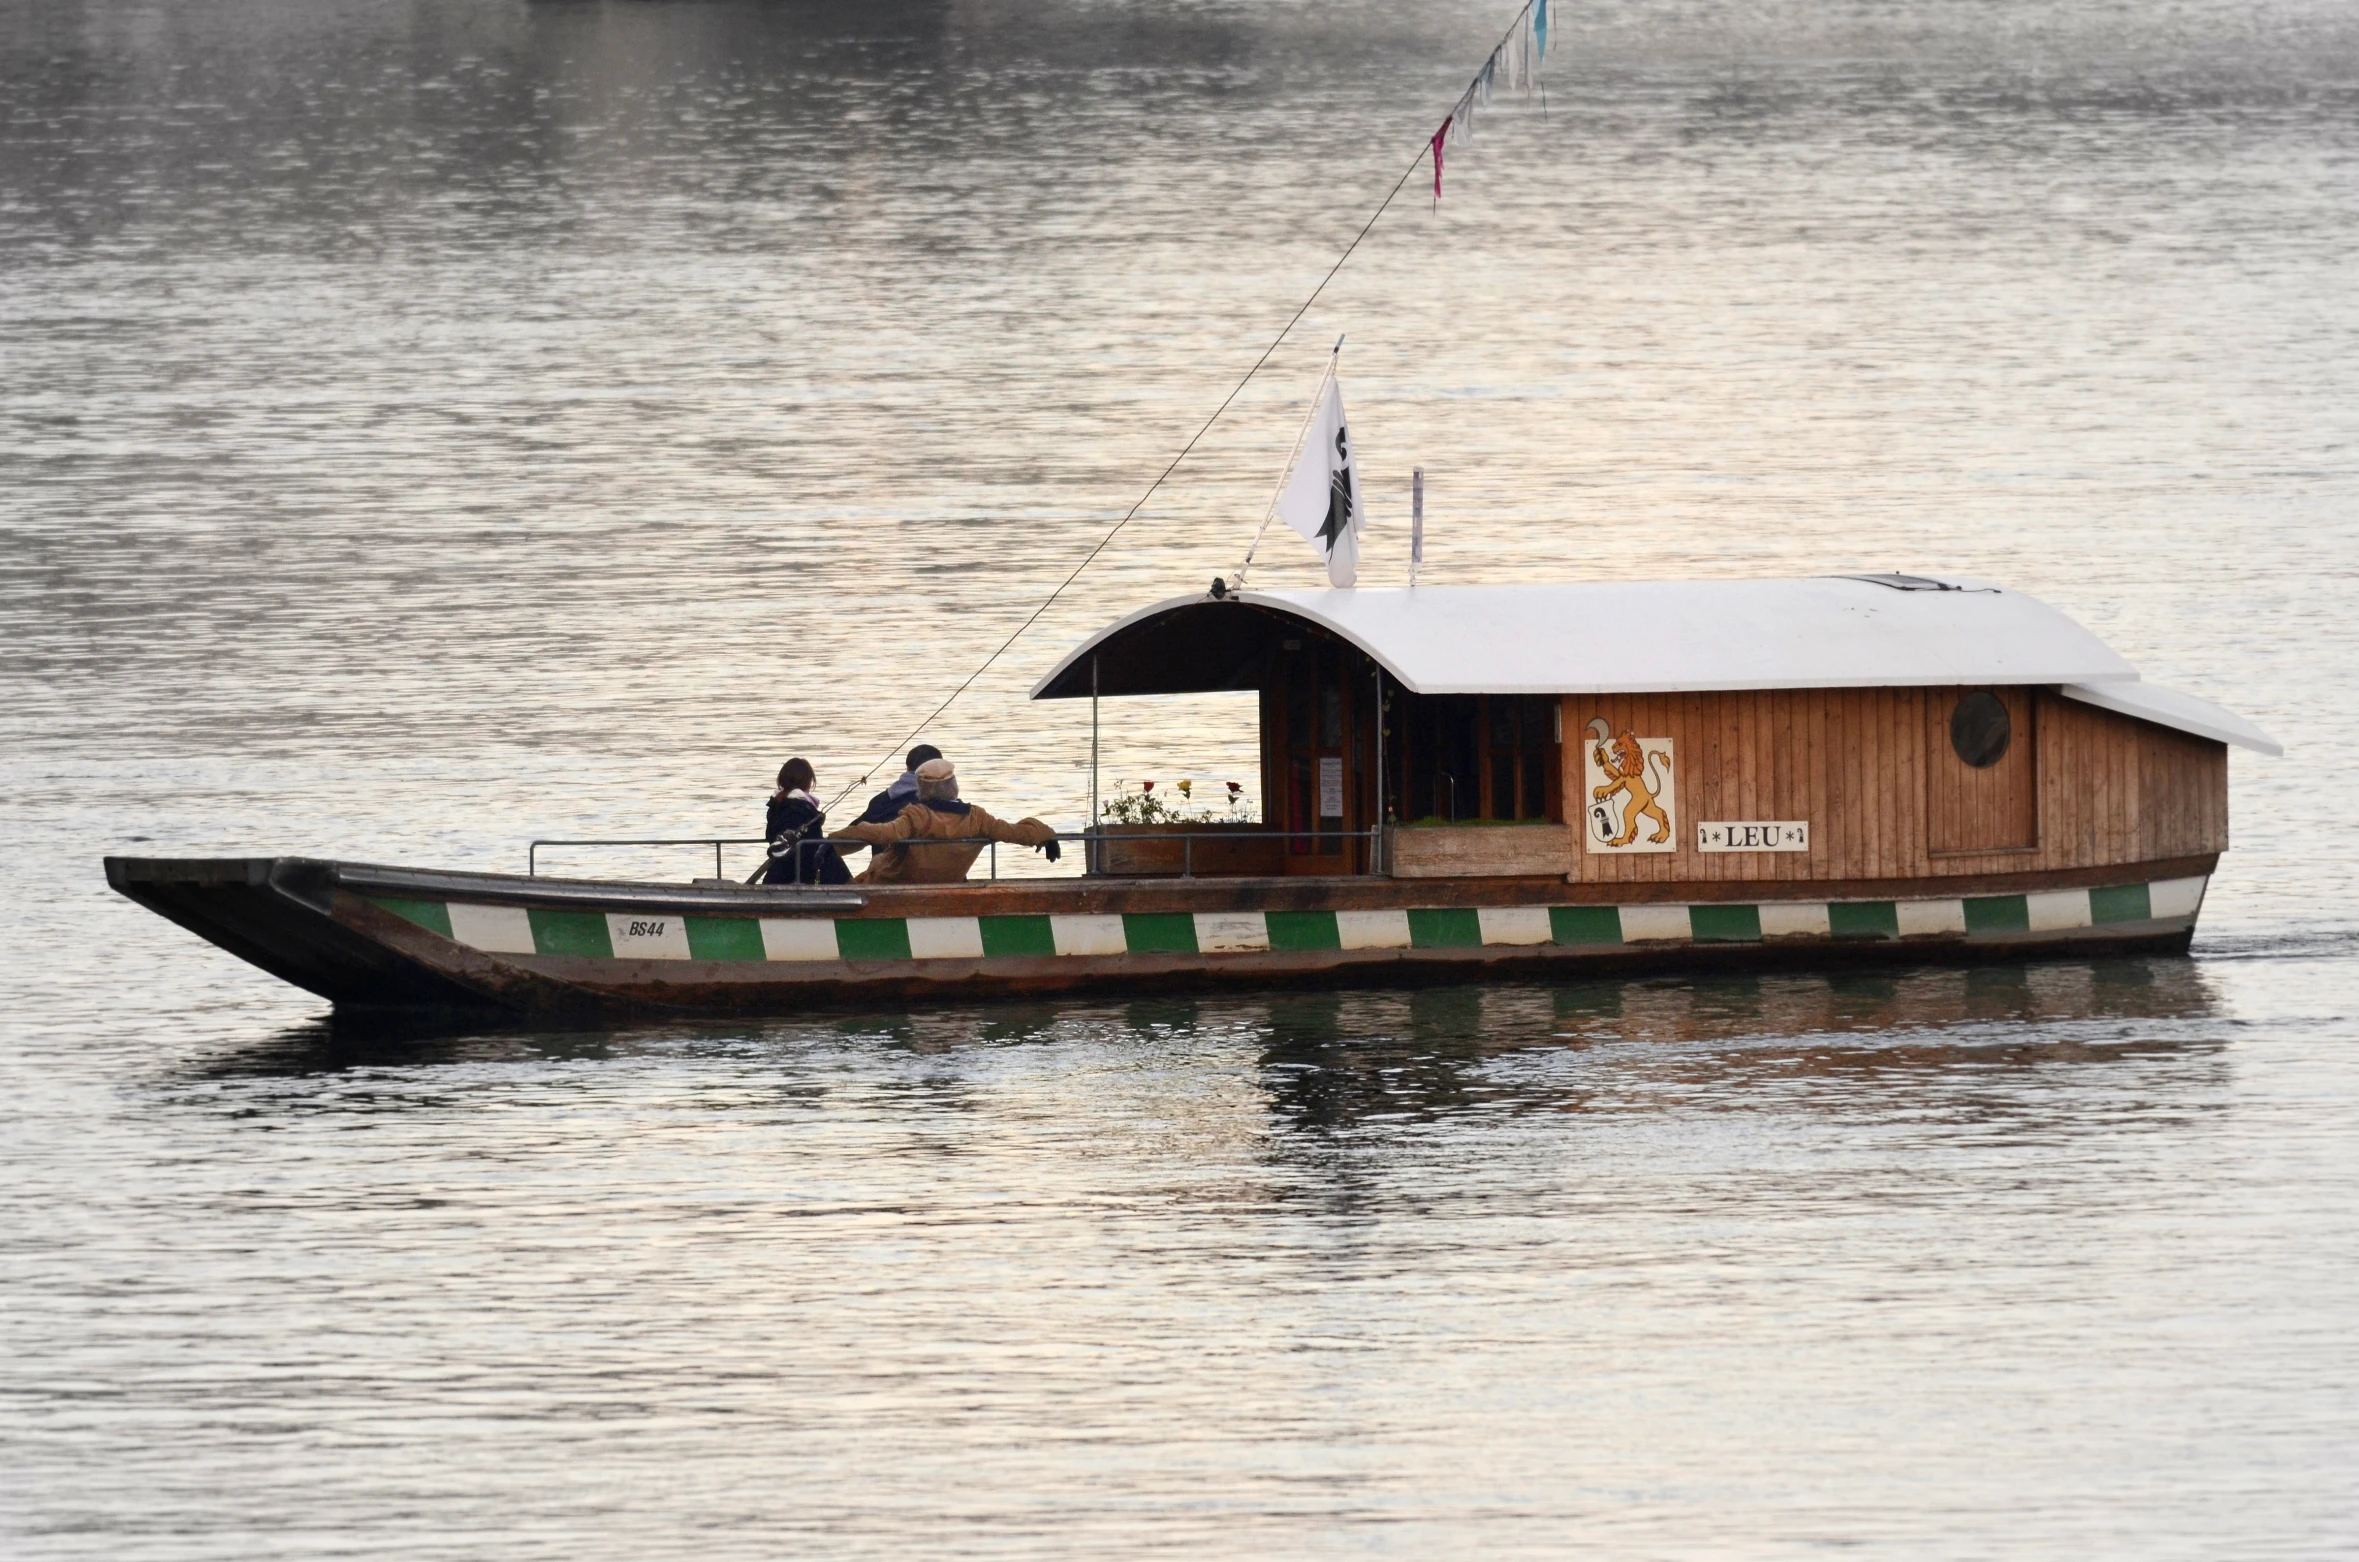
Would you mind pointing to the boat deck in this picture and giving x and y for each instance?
(372, 936)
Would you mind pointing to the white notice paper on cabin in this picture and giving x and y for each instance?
(1331, 788)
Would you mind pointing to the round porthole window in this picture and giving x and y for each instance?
(1979, 729)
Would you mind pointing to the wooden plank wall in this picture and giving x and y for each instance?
(1855, 764)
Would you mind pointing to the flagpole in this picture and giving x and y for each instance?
(1089, 865)
(1318, 399)
(1416, 524)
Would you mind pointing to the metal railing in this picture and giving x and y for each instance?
(1091, 841)
(532, 852)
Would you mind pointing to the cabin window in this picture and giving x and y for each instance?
(1979, 729)
(1441, 752)
(1470, 756)
(1522, 737)
(1505, 770)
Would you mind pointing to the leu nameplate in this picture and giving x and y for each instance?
(1754, 835)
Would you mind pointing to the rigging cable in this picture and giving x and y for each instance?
(1089, 558)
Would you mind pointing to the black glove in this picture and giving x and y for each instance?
(1050, 850)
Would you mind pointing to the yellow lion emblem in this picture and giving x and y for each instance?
(1625, 764)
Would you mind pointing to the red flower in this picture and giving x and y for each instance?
(1146, 786)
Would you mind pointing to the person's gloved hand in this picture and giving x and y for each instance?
(1051, 850)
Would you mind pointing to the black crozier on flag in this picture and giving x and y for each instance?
(1339, 496)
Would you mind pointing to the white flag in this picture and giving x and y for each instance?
(1321, 500)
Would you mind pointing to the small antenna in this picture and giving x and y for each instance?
(1416, 524)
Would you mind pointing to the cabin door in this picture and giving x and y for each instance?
(1981, 771)
(1319, 795)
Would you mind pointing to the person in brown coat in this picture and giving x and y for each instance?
(938, 815)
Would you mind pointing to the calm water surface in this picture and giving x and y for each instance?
(428, 425)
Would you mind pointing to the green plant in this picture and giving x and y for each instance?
(1144, 807)
(1138, 808)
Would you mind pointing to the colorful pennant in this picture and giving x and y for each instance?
(1514, 64)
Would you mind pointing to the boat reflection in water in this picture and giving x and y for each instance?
(1953, 1041)
(1339, 1059)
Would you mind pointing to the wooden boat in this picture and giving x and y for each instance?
(1461, 782)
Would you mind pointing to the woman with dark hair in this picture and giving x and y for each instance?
(796, 827)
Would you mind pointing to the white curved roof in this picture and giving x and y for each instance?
(1663, 636)
(2171, 708)
(1654, 637)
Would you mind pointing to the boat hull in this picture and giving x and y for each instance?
(371, 937)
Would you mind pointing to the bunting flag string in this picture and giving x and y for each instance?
(1513, 65)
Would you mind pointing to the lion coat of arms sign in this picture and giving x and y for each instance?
(1630, 803)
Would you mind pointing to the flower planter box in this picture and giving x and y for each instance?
(1155, 851)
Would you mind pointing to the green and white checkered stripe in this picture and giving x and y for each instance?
(644, 936)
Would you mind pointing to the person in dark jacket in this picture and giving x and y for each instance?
(886, 806)
(798, 854)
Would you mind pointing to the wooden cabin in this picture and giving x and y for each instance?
(1840, 730)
